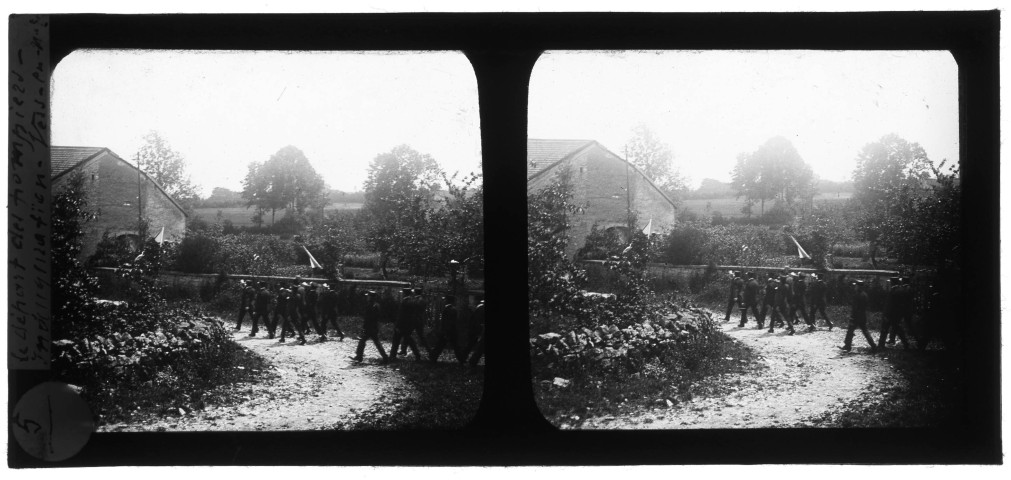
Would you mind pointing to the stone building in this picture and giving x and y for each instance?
(112, 185)
(607, 185)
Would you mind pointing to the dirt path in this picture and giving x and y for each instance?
(804, 376)
(317, 386)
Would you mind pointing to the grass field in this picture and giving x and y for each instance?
(730, 207)
(241, 216)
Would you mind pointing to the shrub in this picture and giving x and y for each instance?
(600, 245)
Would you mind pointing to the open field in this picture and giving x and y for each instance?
(730, 207)
(240, 216)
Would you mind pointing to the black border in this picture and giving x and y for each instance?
(503, 47)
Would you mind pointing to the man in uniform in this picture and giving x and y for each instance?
(245, 302)
(370, 328)
(403, 325)
(328, 309)
(311, 299)
(280, 311)
(736, 287)
(818, 290)
(261, 303)
(782, 306)
(800, 302)
(905, 307)
(297, 308)
(419, 309)
(448, 332)
(769, 302)
(750, 300)
(858, 318)
(891, 318)
(477, 320)
(293, 304)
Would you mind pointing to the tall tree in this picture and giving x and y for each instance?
(656, 160)
(400, 185)
(774, 171)
(889, 173)
(167, 167)
(286, 180)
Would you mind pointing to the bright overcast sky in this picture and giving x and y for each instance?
(222, 110)
(711, 106)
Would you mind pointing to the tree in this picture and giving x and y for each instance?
(774, 171)
(553, 281)
(401, 184)
(286, 180)
(889, 172)
(924, 224)
(167, 167)
(73, 288)
(655, 159)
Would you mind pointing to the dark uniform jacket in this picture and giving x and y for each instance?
(294, 302)
(860, 307)
(371, 319)
(327, 300)
(751, 292)
(477, 320)
(736, 286)
(818, 289)
(247, 297)
(770, 292)
(311, 295)
(799, 290)
(449, 316)
(262, 301)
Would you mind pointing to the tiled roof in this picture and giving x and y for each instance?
(543, 153)
(66, 158)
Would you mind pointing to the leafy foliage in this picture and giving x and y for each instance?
(553, 281)
(73, 289)
(167, 167)
(889, 172)
(286, 180)
(655, 159)
(701, 243)
(128, 355)
(452, 229)
(600, 244)
(400, 187)
(925, 227)
(774, 171)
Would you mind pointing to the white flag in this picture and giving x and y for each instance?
(800, 250)
(649, 228)
(312, 260)
(161, 236)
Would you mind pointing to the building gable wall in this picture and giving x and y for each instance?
(599, 185)
(111, 185)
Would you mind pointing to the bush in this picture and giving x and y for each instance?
(600, 245)
(731, 244)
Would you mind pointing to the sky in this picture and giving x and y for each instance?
(223, 110)
(710, 106)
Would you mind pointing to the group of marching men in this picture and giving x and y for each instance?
(783, 296)
(303, 304)
(787, 293)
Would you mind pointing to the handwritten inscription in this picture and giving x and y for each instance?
(29, 197)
